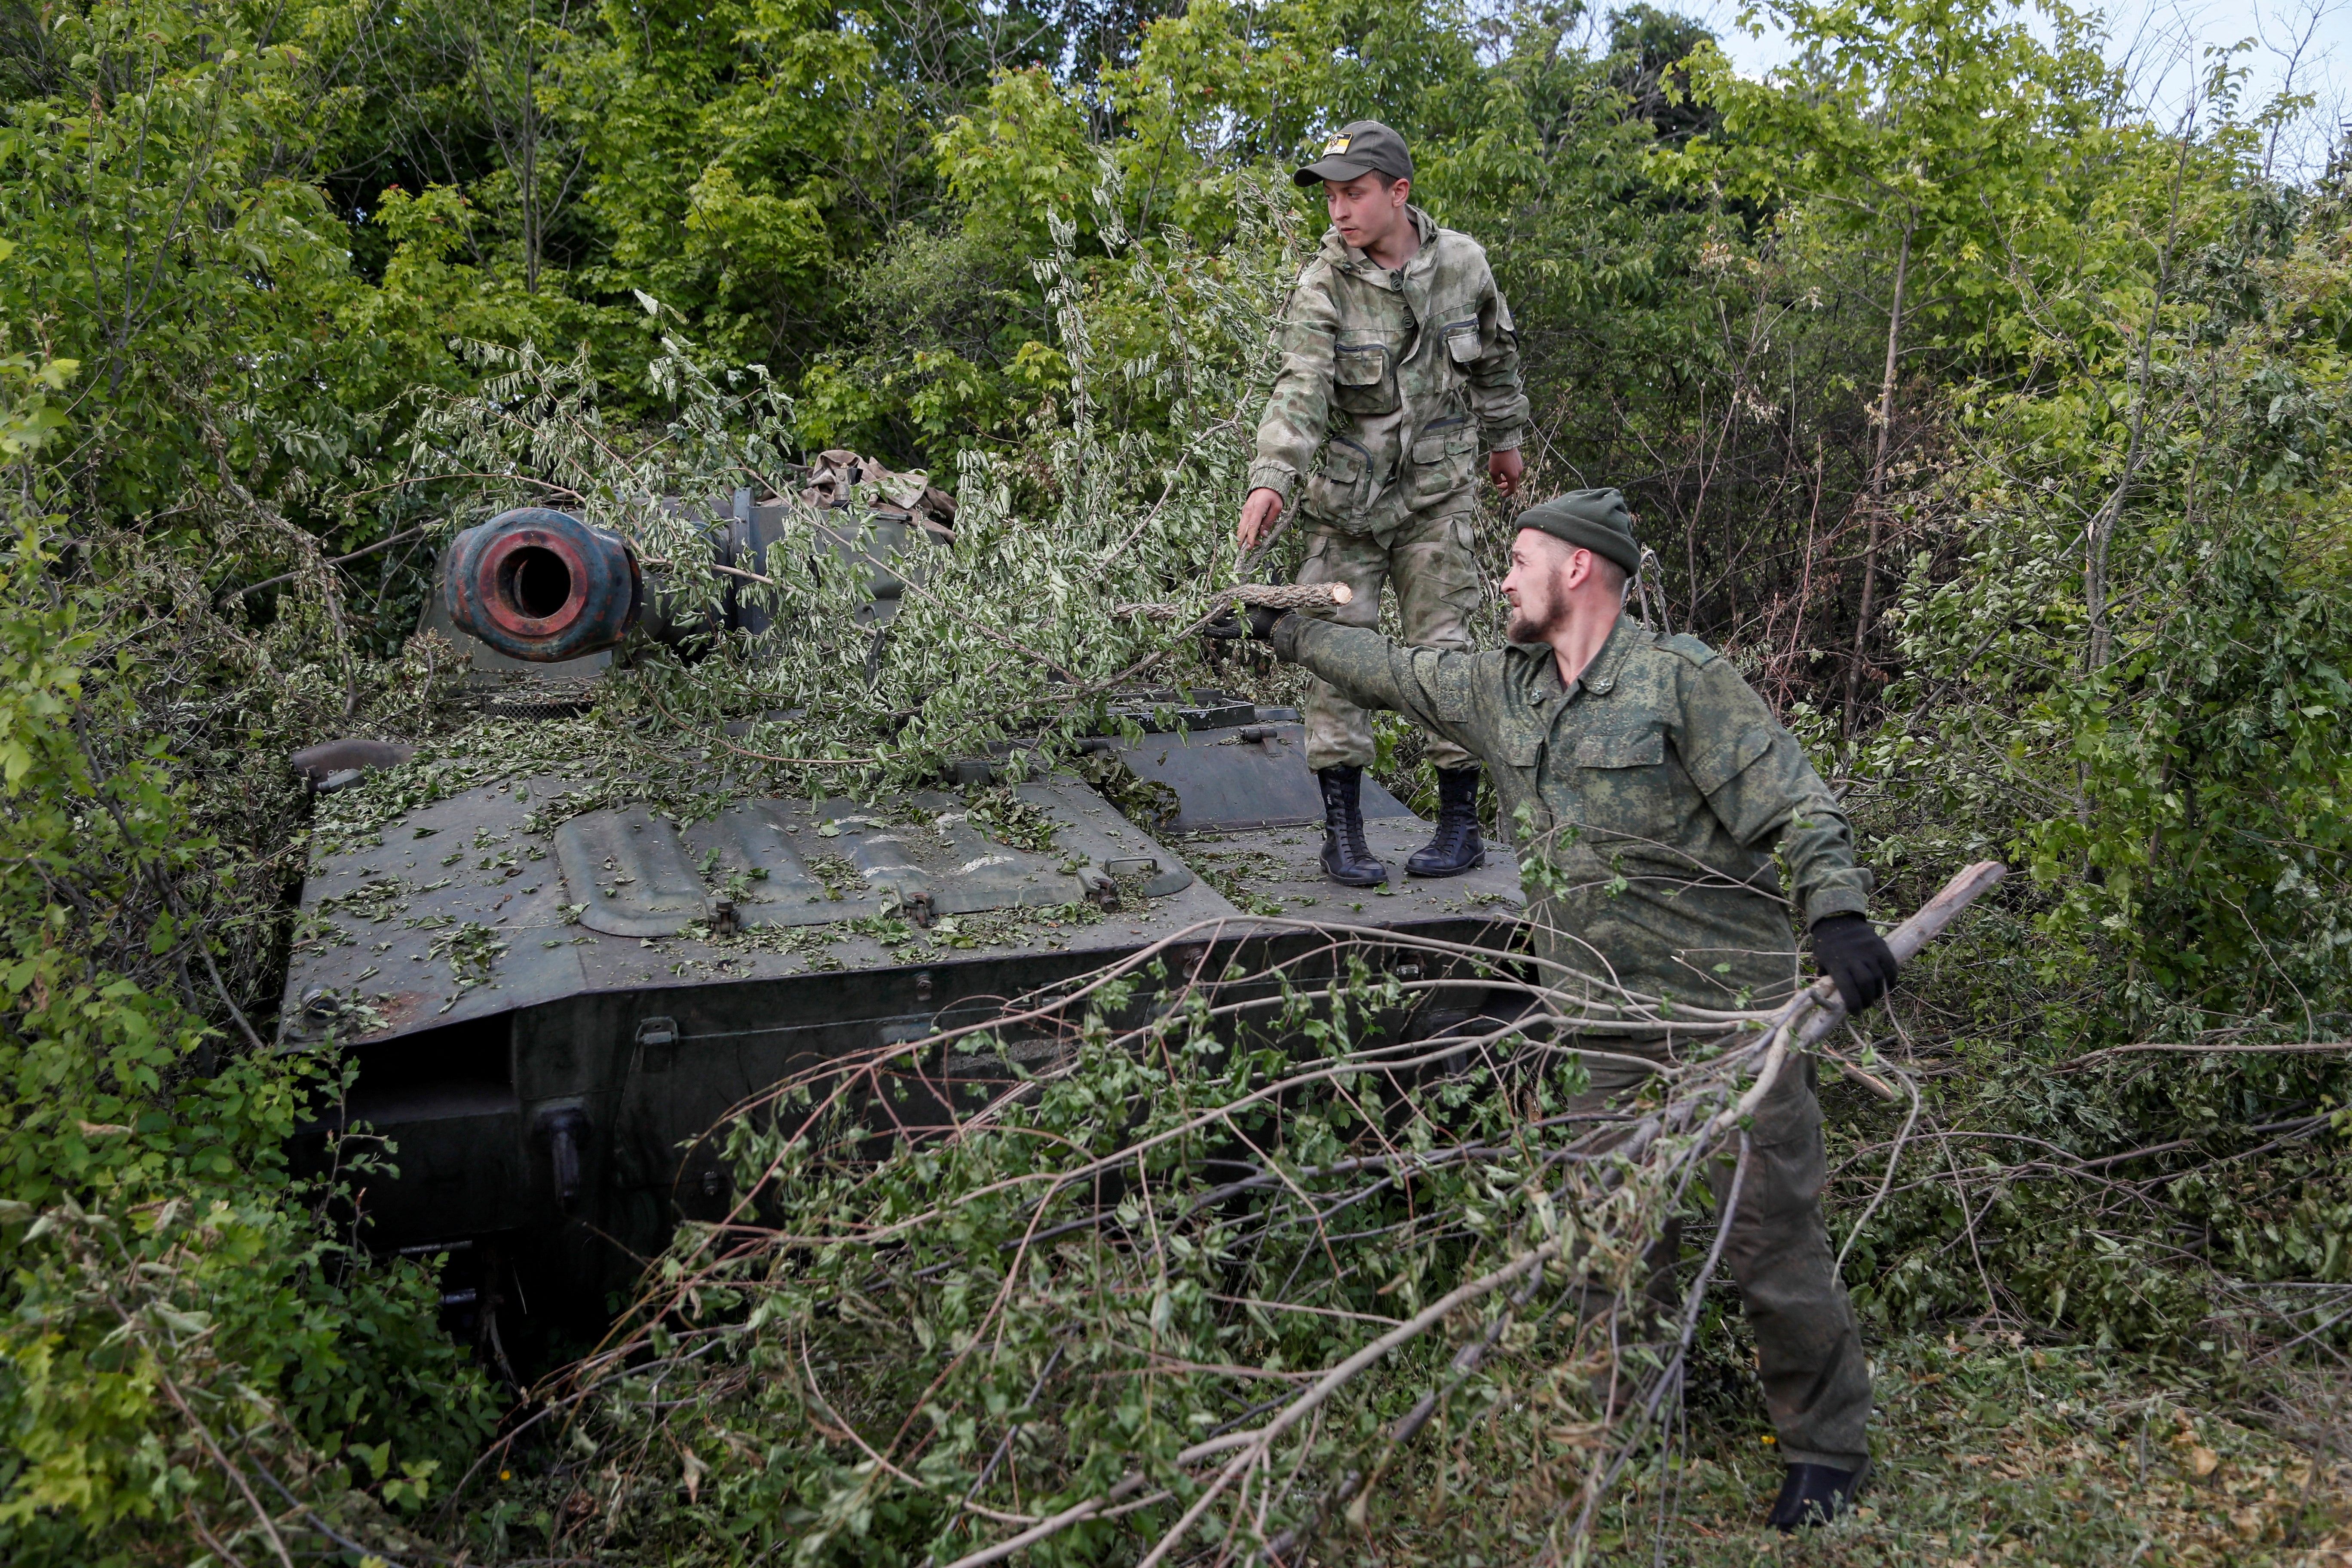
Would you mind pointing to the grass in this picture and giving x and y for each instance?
(1989, 1450)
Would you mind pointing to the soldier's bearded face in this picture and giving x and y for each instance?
(1537, 586)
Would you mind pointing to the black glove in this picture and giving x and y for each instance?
(1850, 951)
(1262, 619)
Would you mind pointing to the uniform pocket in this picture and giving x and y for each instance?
(1642, 751)
(1363, 379)
(1624, 785)
(1462, 345)
(1342, 486)
(1439, 461)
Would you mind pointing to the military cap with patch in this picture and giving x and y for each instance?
(1598, 520)
(1360, 147)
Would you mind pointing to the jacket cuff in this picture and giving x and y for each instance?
(1286, 632)
(1507, 439)
(1828, 901)
(1276, 477)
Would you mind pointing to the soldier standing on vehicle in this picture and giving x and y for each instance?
(1653, 784)
(1399, 362)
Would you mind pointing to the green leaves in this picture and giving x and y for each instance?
(29, 415)
(139, 1332)
(2184, 794)
(1019, 157)
(164, 1282)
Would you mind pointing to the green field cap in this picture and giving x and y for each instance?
(1360, 147)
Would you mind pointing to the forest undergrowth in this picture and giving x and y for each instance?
(1995, 426)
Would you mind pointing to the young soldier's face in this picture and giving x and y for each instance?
(1364, 211)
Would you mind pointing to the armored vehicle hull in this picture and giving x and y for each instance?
(548, 1001)
(549, 1015)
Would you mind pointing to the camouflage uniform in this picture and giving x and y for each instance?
(1391, 381)
(1657, 788)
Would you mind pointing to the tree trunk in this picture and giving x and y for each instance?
(1878, 477)
(530, 152)
(2102, 532)
(505, 61)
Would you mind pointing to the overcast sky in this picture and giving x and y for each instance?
(2162, 45)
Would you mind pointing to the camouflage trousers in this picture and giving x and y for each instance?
(1808, 1353)
(1437, 587)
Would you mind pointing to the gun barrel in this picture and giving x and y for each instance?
(539, 585)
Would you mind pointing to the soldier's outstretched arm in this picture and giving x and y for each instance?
(1435, 688)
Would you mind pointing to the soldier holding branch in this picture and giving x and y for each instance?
(1651, 786)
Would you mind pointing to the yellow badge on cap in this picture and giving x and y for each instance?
(1337, 144)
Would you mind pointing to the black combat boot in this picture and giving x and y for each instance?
(1814, 1495)
(1346, 859)
(1456, 847)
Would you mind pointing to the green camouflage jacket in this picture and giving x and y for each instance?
(1653, 791)
(1391, 379)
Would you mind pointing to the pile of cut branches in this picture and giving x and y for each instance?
(1191, 1254)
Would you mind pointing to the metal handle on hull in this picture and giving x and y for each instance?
(566, 1132)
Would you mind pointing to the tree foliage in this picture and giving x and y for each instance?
(1995, 429)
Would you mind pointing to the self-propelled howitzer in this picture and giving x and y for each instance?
(550, 999)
